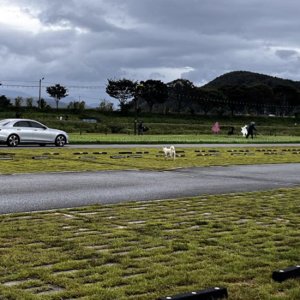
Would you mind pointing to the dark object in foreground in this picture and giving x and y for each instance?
(250, 130)
(142, 128)
(231, 131)
(208, 294)
(284, 274)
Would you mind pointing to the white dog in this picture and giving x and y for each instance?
(244, 130)
(169, 152)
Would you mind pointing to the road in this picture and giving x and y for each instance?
(34, 192)
(181, 145)
(126, 146)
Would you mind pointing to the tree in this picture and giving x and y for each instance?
(153, 91)
(42, 104)
(259, 96)
(57, 92)
(82, 105)
(236, 97)
(182, 90)
(18, 102)
(77, 105)
(4, 102)
(123, 90)
(208, 99)
(29, 102)
(105, 106)
(286, 97)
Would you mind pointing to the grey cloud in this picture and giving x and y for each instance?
(85, 17)
(286, 54)
(100, 39)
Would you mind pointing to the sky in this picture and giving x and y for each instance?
(81, 43)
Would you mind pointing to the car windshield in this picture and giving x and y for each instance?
(4, 122)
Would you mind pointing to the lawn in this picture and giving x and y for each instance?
(94, 138)
(65, 159)
(144, 250)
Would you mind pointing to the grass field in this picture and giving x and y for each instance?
(117, 122)
(143, 250)
(66, 159)
(176, 139)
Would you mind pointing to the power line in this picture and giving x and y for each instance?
(201, 99)
(12, 80)
(20, 85)
(88, 87)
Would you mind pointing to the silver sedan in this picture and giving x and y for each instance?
(20, 131)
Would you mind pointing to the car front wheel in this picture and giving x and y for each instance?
(13, 140)
(60, 141)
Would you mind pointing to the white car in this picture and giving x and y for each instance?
(24, 131)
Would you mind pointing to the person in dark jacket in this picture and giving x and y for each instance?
(251, 128)
(231, 131)
(141, 128)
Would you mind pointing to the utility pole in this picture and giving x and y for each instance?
(40, 92)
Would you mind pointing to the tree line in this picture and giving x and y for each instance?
(57, 92)
(182, 96)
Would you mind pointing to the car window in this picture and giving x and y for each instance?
(36, 125)
(22, 124)
(4, 122)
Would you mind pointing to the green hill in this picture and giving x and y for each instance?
(250, 79)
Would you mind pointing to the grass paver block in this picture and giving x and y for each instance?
(207, 294)
(6, 158)
(146, 250)
(40, 157)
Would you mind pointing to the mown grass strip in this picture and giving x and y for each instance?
(61, 160)
(90, 138)
(144, 250)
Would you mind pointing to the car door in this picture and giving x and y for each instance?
(23, 130)
(40, 133)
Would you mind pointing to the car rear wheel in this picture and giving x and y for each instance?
(13, 140)
(60, 141)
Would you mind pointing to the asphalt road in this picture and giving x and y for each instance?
(106, 146)
(32, 192)
(180, 145)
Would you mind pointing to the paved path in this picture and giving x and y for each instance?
(31, 192)
(181, 145)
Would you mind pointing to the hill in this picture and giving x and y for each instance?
(246, 78)
(12, 94)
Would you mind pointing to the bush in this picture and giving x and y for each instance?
(116, 128)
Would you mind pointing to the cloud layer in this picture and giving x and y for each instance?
(86, 42)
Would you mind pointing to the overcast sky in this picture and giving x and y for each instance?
(83, 42)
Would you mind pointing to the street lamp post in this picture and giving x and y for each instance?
(40, 92)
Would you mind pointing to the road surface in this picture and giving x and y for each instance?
(33, 192)
(126, 146)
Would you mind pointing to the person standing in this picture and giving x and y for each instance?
(216, 128)
(231, 131)
(141, 128)
(251, 128)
